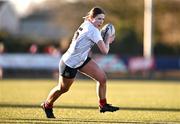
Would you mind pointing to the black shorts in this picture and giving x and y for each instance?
(69, 72)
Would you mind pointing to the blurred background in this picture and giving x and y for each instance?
(35, 33)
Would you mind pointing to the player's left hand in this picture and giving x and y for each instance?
(111, 38)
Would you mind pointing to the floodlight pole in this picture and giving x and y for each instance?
(147, 28)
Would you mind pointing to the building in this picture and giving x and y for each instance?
(9, 20)
(39, 25)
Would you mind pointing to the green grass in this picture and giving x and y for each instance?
(140, 102)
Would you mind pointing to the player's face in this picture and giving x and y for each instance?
(98, 20)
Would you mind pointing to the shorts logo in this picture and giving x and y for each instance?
(67, 74)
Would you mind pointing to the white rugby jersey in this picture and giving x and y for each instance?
(84, 39)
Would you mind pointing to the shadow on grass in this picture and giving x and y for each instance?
(92, 107)
(72, 121)
(64, 120)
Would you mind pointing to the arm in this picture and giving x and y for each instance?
(104, 46)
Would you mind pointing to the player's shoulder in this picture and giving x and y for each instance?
(89, 29)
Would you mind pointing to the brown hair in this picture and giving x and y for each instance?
(94, 12)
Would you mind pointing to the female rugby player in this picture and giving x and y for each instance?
(77, 58)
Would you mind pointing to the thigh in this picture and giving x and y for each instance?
(92, 70)
(65, 82)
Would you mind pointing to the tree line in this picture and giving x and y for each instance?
(128, 18)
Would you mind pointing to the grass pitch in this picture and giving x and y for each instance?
(139, 102)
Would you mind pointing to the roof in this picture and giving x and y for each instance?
(1, 4)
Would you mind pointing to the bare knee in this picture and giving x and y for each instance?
(65, 85)
(102, 80)
(64, 89)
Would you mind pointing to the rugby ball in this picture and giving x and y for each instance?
(107, 30)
